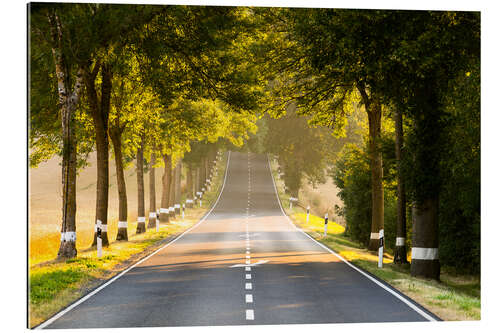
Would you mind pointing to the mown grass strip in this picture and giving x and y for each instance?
(455, 297)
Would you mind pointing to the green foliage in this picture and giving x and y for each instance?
(351, 174)
(200, 52)
(301, 150)
(352, 177)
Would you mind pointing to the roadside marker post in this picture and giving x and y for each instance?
(326, 224)
(99, 239)
(157, 220)
(183, 209)
(307, 218)
(381, 248)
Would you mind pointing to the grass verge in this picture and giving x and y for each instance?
(55, 284)
(455, 297)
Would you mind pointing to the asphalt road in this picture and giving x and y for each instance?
(246, 264)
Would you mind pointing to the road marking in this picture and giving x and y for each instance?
(380, 284)
(251, 235)
(260, 262)
(248, 276)
(248, 257)
(249, 298)
(250, 315)
(86, 297)
(247, 235)
(248, 252)
(248, 286)
(248, 269)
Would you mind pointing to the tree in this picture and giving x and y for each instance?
(152, 189)
(325, 59)
(302, 151)
(69, 88)
(108, 26)
(400, 249)
(432, 47)
(116, 129)
(132, 108)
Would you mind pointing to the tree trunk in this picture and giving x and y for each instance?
(203, 174)
(197, 181)
(375, 117)
(189, 182)
(425, 259)
(374, 111)
(141, 215)
(152, 190)
(67, 248)
(171, 196)
(165, 188)
(425, 231)
(115, 134)
(100, 116)
(177, 200)
(400, 249)
(68, 101)
(207, 170)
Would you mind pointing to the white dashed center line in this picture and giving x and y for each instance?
(250, 315)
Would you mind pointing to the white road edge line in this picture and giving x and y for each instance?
(395, 294)
(86, 297)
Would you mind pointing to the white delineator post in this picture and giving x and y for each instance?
(158, 221)
(381, 248)
(183, 209)
(99, 239)
(326, 223)
(307, 217)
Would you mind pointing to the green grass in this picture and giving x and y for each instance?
(55, 284)
(455, 297)
(44, 286)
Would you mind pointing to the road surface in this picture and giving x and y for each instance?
(245, 264)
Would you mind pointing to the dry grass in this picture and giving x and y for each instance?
(45, 203)
(322, 198)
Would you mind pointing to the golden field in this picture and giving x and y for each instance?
(45, 205)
